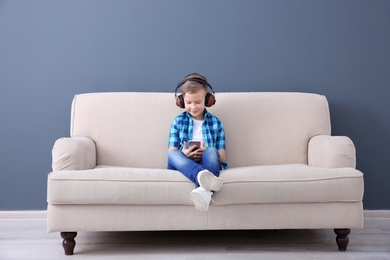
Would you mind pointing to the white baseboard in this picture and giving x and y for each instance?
(25, 214)
(42, 214)
(376, 213)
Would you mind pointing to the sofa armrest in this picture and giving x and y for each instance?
(73, 153)
(331, 152)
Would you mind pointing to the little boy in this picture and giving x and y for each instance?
(201, 164)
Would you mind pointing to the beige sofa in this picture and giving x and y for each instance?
(285, 171)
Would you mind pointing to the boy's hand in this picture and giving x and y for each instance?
(194, 153)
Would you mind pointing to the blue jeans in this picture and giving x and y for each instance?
(210, 161)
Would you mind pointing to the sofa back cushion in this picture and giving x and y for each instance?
(131, 129)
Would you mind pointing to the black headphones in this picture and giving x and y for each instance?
(210, 97)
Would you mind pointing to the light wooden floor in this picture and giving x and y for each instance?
(24, 236)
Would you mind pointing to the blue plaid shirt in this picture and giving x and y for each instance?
(212, 131)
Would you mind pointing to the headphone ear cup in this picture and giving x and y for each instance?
(210, 100)
(180, 101)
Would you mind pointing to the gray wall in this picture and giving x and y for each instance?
(50, 50)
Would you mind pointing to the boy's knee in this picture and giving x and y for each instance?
(172, 153)
(211, 151)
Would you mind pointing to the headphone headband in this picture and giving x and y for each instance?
(201, 81)
(209, 99)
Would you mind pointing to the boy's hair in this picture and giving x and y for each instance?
(193, 86)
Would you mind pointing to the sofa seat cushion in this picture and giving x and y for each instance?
(119, 185)
(242, 185)
(295, 183)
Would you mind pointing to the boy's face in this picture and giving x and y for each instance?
(194, 103)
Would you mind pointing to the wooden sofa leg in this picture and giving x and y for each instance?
(68, 243)
(342, 238)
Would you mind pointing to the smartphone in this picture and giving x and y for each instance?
(196, 143)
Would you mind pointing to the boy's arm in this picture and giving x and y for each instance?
(222, 155)
(173, 140)
(172, 148)
(221, 143)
